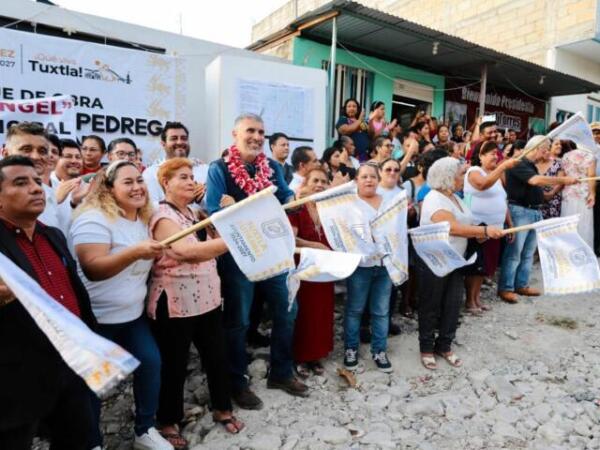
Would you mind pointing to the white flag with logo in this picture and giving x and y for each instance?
(258, 235)
(432, 244)
(55, 114)
(389, 230)
(569, 265)
(344, 222)
(575, 129)
(321, 266)
(100, 362)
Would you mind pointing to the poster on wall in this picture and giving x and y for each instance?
(456, 113)
(284, 108)
(115, 92)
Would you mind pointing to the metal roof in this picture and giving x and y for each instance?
(375, 33)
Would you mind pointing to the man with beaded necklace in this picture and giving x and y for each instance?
(244, 171)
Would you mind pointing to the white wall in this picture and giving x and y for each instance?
(221, 86)
(198, 54)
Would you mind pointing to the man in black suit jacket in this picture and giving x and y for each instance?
(37, 389)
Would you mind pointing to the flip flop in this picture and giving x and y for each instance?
(429, 362)
(233, 421)
(451, 359)
(474, 311)
(317, 367)
(175, 439)
(485, 308)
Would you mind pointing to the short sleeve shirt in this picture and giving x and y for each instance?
(518, 190)
(118, 299)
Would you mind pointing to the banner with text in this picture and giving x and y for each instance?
(115, 92)
(261, 244)
(48, 112)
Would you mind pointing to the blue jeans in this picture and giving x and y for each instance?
(238, 295)
(368, 286)
(136, 338)
(517, 258)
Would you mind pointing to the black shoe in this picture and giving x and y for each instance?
(246, 399)
(350, 358)
(292, 386)
(382, 362)
(256, 340)
(365, 335)
(394, 329)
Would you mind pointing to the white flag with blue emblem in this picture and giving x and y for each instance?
(569, 265)
(100, 362)
(432, 244)
(258, 235)
(389, 230)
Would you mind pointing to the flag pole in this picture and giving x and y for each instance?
(530, 226)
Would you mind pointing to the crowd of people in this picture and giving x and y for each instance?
(86, 221)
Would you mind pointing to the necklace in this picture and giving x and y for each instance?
(240, 175)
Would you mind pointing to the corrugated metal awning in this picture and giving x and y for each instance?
(372, 32)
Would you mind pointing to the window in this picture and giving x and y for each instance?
(590, 113)
(350, 82)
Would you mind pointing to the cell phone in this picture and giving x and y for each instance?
(88, 177)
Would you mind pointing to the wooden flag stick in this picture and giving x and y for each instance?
(183, 233)
(295, 203)
(530, 226)
(589, 179)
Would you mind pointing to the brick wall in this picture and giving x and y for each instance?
(526, 29)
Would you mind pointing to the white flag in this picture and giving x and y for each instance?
(575, 129)
(389, 230)
(569, 265)
(320, 266)
(100, 362)
(56, 114)
(432, 245)
(258, 234)
(343, 221)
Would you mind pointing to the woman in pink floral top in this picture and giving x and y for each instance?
(579, 198)
(185, 303)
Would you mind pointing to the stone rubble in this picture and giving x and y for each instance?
(524, 384)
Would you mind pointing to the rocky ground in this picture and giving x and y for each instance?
(529, 380)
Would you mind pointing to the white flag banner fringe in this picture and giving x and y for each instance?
(101, 363)
(389, 231)
(346, 188)
(575, 129)
(343, 221)
(432, 245)
(569, 265)
(258, 234)
(320, 266)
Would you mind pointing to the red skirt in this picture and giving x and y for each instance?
(313, 333)
(491, 256)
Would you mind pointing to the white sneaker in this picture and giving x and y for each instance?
(151, 440)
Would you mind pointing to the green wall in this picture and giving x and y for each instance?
(310, 54)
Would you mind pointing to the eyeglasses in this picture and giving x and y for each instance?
(125, 154)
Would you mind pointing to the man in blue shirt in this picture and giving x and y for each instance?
(247, 170)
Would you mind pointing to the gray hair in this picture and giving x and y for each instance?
(537, 140)
(442, 173)
(244, 116)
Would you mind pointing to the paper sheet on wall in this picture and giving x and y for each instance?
(284, 108)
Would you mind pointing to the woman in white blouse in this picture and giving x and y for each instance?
(486, 197)
(440, 298)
